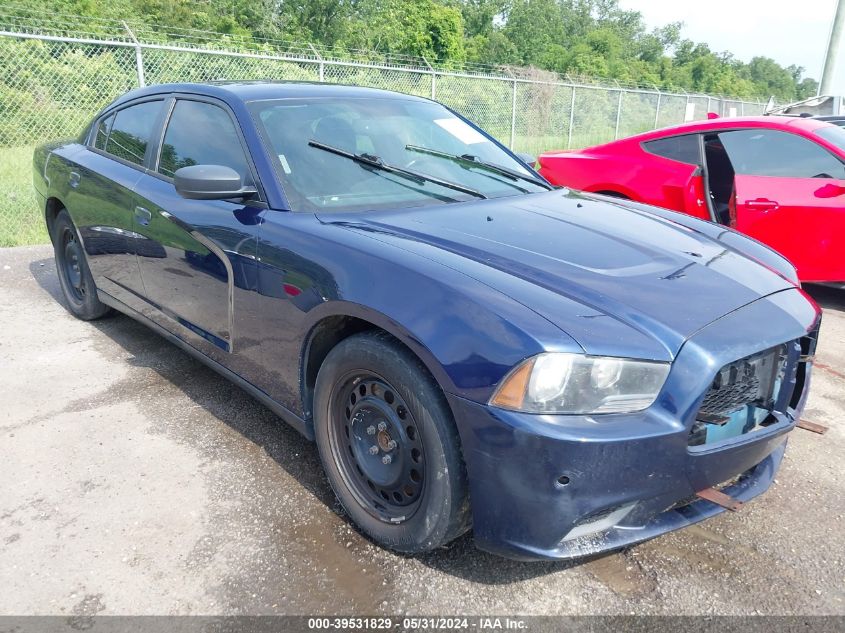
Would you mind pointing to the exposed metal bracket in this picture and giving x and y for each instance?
(720, 499)
(821, 429)
(718, 420)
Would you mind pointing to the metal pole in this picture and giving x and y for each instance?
(322, 66)
(433, 78)
(836, 30)
(513, 115)
(571, 119)
(139, 66)
(139, 56)
(618, 115)
(657, 111)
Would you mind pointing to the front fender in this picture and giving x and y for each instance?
(468, 334)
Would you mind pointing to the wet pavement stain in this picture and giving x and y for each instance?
(622, 575)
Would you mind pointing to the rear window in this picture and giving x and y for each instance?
(131, 131)
(683, 149)
(833, 134)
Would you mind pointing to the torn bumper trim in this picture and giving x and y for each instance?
(531, 494)
(754, 482)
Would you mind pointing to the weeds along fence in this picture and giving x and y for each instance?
(51, 86)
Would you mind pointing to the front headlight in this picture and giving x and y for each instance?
(578, 384)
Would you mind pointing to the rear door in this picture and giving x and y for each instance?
(100, 198)
(788, 194)
(197, 257)
(683, 187)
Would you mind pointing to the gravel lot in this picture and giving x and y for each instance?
(133, 480)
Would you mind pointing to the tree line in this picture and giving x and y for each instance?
(587, 38)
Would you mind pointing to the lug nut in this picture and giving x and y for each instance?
(386, 459)
(382, 426)
(373, 449)
(371, 430)
(391, 445)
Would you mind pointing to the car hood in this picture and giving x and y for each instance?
(618, 280)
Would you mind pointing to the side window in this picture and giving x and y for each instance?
(131, 131)
(683, 149)
(102, 133)
(776, 153)
(201, 134)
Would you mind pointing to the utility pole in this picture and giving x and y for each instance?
(836, 31)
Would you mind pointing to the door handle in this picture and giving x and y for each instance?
(143, 216)
(74, 179)
(762, 204)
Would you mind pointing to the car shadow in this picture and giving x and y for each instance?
(290, 450)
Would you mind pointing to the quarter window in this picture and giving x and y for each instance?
(775, 153)
(103, 132)
(683, 149)
(201, 134)
(833, 134)
(131, 131)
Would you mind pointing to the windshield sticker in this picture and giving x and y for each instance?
(284, 162)
(461, 131)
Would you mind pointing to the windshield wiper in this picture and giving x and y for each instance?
(470, 159)
(375, 162)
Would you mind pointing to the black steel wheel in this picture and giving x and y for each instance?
(71, 261)
(389, 445)
(377, 446)
(72, 267)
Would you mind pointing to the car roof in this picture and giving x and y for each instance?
(260, 90)
(829, 117)
(773, 122)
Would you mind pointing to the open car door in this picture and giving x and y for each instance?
(789, 193)
(695, 196)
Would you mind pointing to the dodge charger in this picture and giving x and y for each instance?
(470, 347)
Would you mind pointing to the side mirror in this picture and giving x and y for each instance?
(528, 159)
(210, 182)
(830, 190)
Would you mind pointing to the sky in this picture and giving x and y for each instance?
(788, 31)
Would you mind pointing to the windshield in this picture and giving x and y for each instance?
(833, 134)
(393, 132)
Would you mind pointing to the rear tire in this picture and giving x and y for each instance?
(74, 275)
(389, 445)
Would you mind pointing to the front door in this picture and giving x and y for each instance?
(789, 193)
(197, 257)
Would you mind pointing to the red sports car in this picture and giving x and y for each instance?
(778, 179)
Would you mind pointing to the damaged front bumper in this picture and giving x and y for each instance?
(555, 487)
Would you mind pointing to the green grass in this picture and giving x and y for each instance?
(21, 221)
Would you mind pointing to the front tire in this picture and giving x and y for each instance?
(74, 275)
(389, 445)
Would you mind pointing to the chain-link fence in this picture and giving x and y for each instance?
(51, 85)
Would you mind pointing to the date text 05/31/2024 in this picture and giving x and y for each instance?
(416, 623)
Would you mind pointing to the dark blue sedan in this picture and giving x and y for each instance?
(470, 347)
